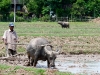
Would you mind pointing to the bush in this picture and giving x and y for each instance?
(19, 19)
(34, 19)
(11, 16)
(45, 18)
(19, 13)
(1, 16)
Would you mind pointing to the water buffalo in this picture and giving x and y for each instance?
(64, 24)
(40, 49)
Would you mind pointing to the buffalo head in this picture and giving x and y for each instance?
(50, 54)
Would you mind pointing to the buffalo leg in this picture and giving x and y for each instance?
(68, 26)
(32, 61)
(48, 63)
(35, 61)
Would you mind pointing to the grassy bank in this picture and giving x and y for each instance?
(17, 70)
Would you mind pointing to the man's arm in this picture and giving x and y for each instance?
(4, 38)
(16, 39)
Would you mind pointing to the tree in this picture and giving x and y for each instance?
(93, 8)
(78, 8)
(5, 8)
(60, 8)
(32, 6)
(35, 6)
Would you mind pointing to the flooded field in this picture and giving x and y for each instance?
(76, 64)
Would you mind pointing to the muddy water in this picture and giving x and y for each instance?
(82, 67)
(76, 64)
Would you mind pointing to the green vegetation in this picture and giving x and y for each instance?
(3, 67)
(81, 37)
(73, 9)
(14, 70)
(53, 29)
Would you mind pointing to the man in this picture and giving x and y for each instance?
(10, 40)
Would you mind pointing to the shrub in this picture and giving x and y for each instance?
(11, 16)
(19, 19)
(1, 16)
(34, 19)
(45, 18)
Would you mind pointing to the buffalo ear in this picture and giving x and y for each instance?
(41, 46)
(51, 46)
(58, 50)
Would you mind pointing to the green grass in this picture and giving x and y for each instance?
(18, 70)
(3, 67)
(78, 33)
(53, 29)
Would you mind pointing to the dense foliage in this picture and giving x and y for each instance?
(59, 8)
(4, 8)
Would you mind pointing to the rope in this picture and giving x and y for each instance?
(17, 44)
(82, 45)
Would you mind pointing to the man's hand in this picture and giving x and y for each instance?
(5, 41)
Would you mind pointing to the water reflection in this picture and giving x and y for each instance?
(88, 67)
(81, 67)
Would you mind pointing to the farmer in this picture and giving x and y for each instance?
(10, 40)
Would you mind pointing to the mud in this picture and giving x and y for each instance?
(66, 62)
(79, 64)
(76, 64)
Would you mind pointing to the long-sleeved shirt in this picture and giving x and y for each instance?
(10, 37)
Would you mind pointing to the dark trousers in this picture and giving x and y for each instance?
(11, 52)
